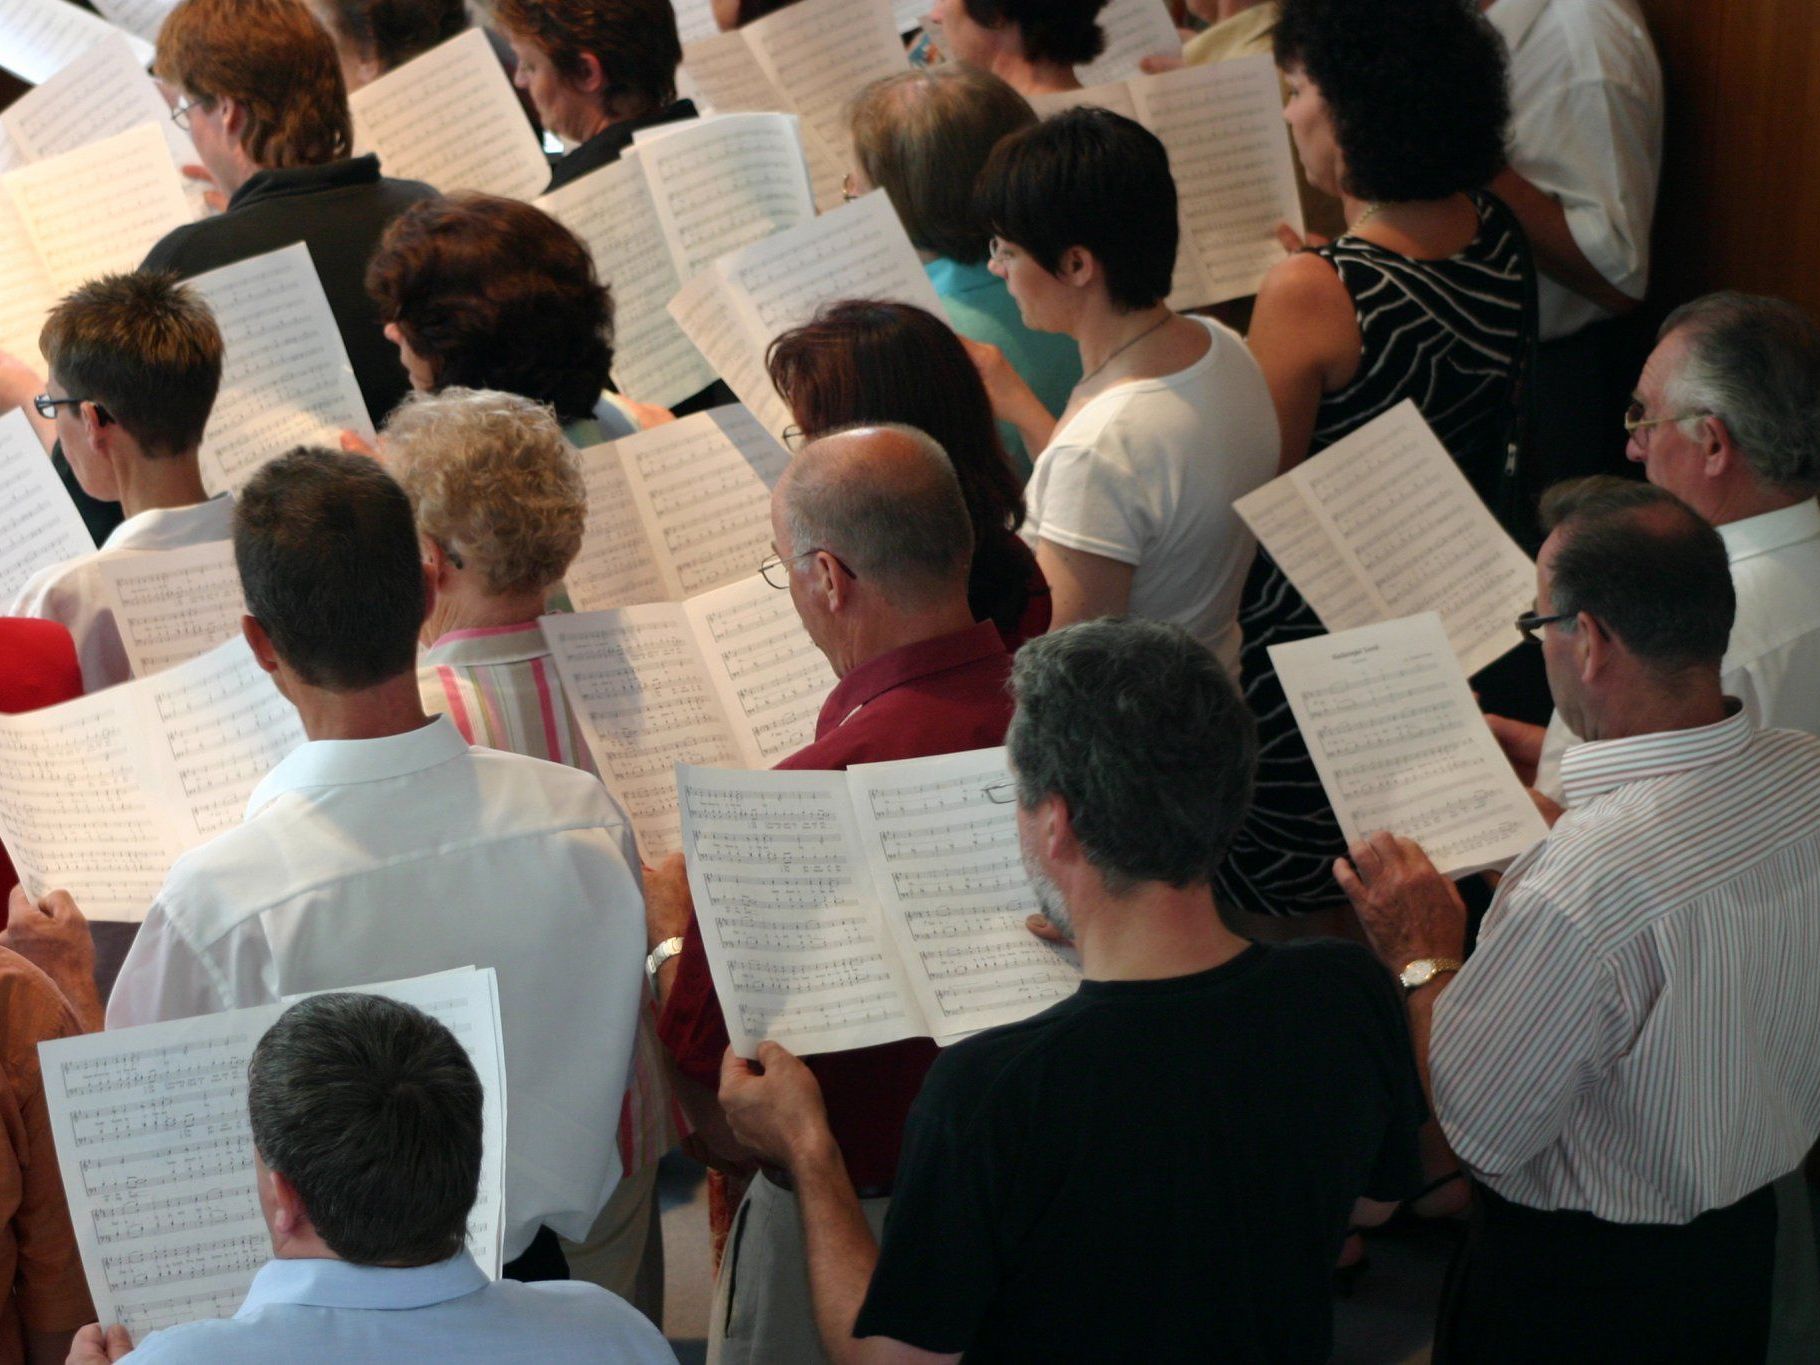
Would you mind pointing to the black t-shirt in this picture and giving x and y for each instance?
(1153, 1170)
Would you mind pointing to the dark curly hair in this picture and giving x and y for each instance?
(1416, 89)
(1065, 31)
(495, 294)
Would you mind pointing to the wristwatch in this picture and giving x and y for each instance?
(661, 954)
(1425, 969)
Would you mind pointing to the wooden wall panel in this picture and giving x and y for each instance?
(1740, 203)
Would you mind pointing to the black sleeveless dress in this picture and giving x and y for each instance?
(1449, 334)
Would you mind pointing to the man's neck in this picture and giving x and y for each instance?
(148, 485)
(1666, 707)
(1748, 498)
(882, 632)
(393, 707)
(1153, 933)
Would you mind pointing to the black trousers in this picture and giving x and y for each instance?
(1529, 1285)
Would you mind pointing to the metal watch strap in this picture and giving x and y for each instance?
(661, 954)
(1420, 972)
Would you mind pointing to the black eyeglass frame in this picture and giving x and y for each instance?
(1530, 623)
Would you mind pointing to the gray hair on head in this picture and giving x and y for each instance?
(1139, 729)
(884, 499)
(1754, 362)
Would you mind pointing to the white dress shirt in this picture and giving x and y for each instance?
(1637, 1035)
(373, 860)
(1772, 662)
(1586, 130)
(314, 1312)
(70, 592)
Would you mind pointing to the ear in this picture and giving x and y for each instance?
(437, 569)
(592, 79)
(289, 1216)
(260, 643)
(1078, 267)
(1719, 453)
(1595, 647)
(831, 582)
(97, 427)
(1055, 830)
(233, 117)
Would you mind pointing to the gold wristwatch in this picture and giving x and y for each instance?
(1425, 969)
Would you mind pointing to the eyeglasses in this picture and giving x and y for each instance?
(997, 250)
(776, 572)
(180, 111)
(1635, 421)
(1529, 623)
(1002, 792)
(47, 406)
(794, 439)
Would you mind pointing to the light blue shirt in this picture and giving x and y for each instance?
(981, 308)
(311, 1312)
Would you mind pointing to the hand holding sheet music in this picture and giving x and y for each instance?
(847, 909)
(156, 1150)
(1400, 745)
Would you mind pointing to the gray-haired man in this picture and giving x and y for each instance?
(1160, 1167)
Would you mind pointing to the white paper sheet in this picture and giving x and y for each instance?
(694, 20)
(1383, 524)
(611, 210)
(689, 496)
(39, 525)
(99, 209)
(1135, 29)
(734, 310)
(285, 377)
(449, 118)
(1400, 745)
(726, 74)
(38, 38)
(104, 91)
(844, 910)
(100, 795)
(156, 1151)
(172, 605)
(26, 293)
(769, 675)
(141, 18)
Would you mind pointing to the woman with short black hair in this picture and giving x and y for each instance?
(1032, 45)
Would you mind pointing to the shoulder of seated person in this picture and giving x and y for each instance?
(1302, 277)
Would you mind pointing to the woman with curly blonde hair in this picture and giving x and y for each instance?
(501, 507)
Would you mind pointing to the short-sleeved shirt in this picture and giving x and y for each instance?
(942, 696)
(40, 1271)
(1153, 1170)
(1146, 474)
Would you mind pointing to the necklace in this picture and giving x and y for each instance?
(1122, 349)
(1371, 211)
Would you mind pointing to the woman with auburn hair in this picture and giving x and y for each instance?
(863, 361)
(482, 292)
(597, 71)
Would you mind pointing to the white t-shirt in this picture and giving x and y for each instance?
(1146, 474)
(70, 592)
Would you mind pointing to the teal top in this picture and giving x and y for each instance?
(981, 307)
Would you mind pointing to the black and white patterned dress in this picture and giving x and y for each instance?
(1448, 334)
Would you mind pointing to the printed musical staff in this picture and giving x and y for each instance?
(172, 605)
(39, 525)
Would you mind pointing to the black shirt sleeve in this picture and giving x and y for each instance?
(1397, 1171)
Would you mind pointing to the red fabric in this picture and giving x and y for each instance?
(1039, 610)
(943, 696)
(37, 668)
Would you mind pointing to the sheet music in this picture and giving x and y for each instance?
(636, 682)
(1135, 29)
(797, 945)
(694, 20)
(946, 862)
(1117, 97)
(171, 605)
(285, 378)
(104, 91)
(74, 812)
(156, 1151)
(26, 295)
(100, 208)
(822, 53)
(733, 311)
(39, 525)
(140, 18)
(101, 795)
(767, 456)
(611, 210)
(1347, 530)
(1400, 744)
(726, 72)
(1222, 123)
(38, 38)
(721, 183)
(449, 117)
(768, 674)
(617, 564)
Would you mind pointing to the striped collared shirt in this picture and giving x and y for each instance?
(500, 687)
(1637, 1035)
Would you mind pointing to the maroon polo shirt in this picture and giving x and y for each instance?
(37, 668)
(942, 696)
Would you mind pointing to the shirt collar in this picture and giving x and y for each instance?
(281, 183)
(1593, 769)
(343, 762)
(321, 1283)
(1514, 18)
(488, 645)
(950, 276)
(905, 665)
(1761, 534)
(163, 528)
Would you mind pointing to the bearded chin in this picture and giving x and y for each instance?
(1049, 899)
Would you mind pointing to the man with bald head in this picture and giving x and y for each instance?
(874, 546)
